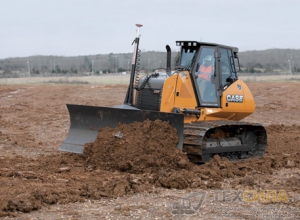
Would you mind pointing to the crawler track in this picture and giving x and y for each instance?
(231, 139)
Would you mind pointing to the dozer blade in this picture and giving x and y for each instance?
(86, 120)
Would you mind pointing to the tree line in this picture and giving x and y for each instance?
(272, 60)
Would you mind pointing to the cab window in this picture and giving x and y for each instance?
(227, 67)
(187, 56)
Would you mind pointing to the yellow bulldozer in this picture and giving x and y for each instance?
(203, 99)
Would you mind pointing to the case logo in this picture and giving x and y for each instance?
(235, 98)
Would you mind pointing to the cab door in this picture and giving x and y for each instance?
(207, 77)
(227, 67)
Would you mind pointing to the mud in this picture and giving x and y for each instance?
(136, 148)
(129, 159)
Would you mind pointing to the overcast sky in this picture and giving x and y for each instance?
(89, 27)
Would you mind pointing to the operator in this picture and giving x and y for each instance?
(205, 71)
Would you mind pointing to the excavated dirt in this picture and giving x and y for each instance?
(130, 161)
(135, 148)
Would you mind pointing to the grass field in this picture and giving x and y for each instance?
(113, 79)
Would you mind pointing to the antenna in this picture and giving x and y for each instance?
(138, 30)
(134, 67)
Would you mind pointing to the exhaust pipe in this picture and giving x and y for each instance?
(168, 70)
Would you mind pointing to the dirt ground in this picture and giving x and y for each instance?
(131, 176)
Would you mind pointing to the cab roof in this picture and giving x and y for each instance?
(196, 44)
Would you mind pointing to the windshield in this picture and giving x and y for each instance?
(187, 56)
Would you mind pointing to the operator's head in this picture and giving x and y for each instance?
(208, 60)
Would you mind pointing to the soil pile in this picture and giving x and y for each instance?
(136, 148)
(149, 149)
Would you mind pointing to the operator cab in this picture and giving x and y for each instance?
(212, 69)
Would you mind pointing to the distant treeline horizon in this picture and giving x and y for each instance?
(271, 60)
